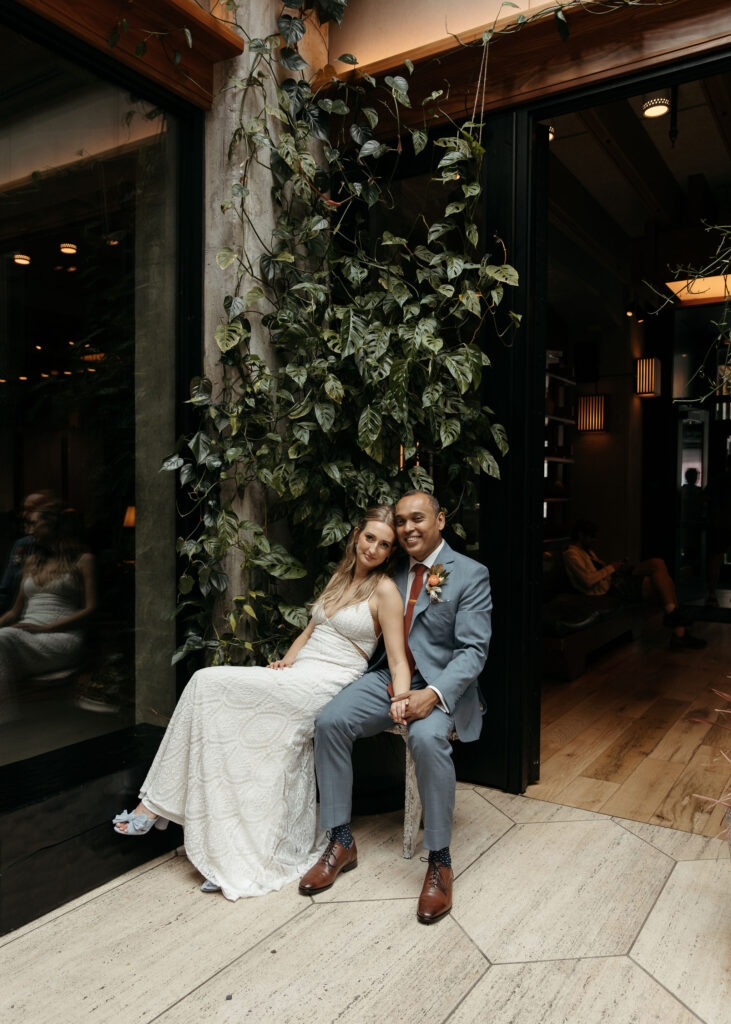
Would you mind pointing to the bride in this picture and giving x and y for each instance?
(235, 766)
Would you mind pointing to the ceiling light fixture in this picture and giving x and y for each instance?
(656, 104)
(68, 248)
(21, 258)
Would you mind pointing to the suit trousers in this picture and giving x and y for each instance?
(361, 709)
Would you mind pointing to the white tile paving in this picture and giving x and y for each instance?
(561, 916)
(555, 891)
(685, 941)
(610, 990)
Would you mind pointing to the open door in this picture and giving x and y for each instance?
(515, 211)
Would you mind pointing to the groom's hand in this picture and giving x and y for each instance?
(421, 703)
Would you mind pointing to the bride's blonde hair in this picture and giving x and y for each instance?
(345, 571)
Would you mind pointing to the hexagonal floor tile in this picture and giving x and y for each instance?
(598, 991)
(560, 889)
(351, 962)
(685, 942)
(132, 950)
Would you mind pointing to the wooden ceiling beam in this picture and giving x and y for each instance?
(163, 25)
(533, 64)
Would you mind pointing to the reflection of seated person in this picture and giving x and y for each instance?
(42, 632)
(20, 550)
(590, 575)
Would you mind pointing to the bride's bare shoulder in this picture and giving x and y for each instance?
(386, 590)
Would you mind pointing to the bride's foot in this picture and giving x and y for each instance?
(138, 822)
(209, 886)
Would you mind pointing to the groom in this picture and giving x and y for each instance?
(447, 634)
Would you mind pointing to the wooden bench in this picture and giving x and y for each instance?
(412, 800)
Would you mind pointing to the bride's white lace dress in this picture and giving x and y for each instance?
(236, 769)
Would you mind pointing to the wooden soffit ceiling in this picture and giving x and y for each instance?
(165, 25)
(533, 62)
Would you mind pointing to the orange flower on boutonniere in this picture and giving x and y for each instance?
(435, 580)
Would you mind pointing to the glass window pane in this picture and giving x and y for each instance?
(88, 275)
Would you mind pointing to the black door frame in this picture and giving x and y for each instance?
(516, 194)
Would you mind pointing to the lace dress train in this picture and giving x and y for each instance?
(236, 768)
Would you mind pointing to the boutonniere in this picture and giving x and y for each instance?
(436, 579)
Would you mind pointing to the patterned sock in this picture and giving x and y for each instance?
(342, 834)
(441, 857)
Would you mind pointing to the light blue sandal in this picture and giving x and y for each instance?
(209, 886)
(138, 824)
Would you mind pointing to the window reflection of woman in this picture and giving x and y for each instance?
(42, 632)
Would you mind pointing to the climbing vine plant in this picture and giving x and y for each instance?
(375, 375)
(376, 384)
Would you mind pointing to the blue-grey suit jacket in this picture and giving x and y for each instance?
(449, 639)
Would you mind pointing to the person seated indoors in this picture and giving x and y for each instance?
(590, 575)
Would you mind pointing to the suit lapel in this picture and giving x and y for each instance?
(445, 558)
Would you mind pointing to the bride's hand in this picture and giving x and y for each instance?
(398, 711)
(282, 663)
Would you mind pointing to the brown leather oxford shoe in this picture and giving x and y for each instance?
(436, 894)
(335, 859)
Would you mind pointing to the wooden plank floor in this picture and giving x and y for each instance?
(620, 739)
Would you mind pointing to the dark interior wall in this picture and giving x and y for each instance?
(600, 345)
(608, 467)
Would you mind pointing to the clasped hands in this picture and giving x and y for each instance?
(415, 704)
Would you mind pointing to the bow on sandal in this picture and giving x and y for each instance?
(138, 824)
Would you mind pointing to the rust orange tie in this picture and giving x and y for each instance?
(416, 586)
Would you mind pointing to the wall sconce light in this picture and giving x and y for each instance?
(551, 132)
(129, 516)
(21, 258)
(68, 248)
(590, 413)
(656, 104)
(648, 378)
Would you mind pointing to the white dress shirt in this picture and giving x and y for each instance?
(429, 561)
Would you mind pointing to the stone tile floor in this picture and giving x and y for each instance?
(561, 916)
